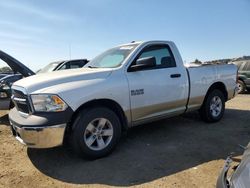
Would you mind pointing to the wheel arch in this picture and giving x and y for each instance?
(205, 110)
(108, 103)
(220, 86)
(242, 79)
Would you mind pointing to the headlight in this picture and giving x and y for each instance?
(48, 103)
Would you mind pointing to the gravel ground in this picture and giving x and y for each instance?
(176, 152)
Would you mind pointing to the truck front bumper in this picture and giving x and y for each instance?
(39, 137)
(34, 131)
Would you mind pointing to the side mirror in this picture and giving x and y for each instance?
(143, 63)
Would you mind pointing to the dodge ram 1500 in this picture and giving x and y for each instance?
(125, 86)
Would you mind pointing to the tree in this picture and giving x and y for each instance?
(197, 62)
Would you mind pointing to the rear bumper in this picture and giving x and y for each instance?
(232, 92)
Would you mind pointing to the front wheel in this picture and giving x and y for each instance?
(213, 107)
(96, 132)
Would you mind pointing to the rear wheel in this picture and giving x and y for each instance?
(96, 132)
(241, 87)
(213, 107)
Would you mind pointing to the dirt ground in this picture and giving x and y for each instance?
(177, 152)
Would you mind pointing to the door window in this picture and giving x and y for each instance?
(162, 54)
(65, 66)
(239, 64)
(73, 65)
(247, 66)
(76, 64)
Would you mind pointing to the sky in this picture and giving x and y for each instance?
(39, 32)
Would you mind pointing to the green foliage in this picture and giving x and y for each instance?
(197, 62)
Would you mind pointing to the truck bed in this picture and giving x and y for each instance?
(201, 77)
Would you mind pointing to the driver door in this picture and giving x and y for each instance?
(157, 91)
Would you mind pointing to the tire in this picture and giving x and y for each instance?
(213, 106)
(241, 87)
(88, 139)
(11, 105)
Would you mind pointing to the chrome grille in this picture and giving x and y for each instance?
(21, 101)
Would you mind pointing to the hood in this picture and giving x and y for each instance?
(15, 65)
(41, 82)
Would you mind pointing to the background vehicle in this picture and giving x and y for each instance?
(125, 86)
(5, 91)
(3, 75)
(19, 71)
(62, 65)
(240, 176)
(243, 75)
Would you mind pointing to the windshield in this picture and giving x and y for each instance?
(49, 68)
(111, 58)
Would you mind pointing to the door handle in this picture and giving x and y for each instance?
(175, 75)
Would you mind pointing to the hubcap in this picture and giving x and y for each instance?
(215, 106)
(98, 134)
(239, 87)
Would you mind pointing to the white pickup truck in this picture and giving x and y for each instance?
(125, 86)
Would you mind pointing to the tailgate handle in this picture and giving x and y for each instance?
(175, 75)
